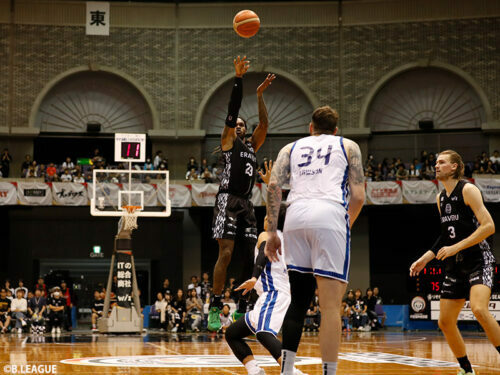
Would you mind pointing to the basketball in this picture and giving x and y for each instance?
(246, 23)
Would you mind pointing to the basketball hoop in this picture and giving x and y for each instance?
(130, 217)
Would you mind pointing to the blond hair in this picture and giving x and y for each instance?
(455, 158)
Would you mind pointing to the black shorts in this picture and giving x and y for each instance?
(3, 318)
(233, 215)
(456, 285)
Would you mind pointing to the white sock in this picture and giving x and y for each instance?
(252, 366)
(329, 368)
(287, 362)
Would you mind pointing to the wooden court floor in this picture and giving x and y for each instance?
(361, 353)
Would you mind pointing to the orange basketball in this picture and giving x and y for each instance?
(246, 23)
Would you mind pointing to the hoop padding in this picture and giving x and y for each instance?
(130, 217)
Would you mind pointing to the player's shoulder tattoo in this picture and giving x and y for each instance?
(280, 174)
(354, 158)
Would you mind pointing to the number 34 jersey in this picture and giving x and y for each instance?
(238, 174)
(319, 169)
(457, 223)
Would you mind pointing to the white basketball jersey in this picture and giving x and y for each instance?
(274, 276)
(319, 169)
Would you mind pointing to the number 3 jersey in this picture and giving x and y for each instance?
(457, 223)
(238, 174)
(319, 169)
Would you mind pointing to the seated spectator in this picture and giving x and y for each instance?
(345, 314)
(19, 309)
(227, 297)
(68, 164)
(225, 318)
(97, 308)
(157, 160)
(207, 176)
(413, 173)
(79, 178)
(25, 165)
(192, 175)
(206, 287)
(31, 172)
(66, 176)
(7, 286)
(20, 285)
(56, 310)
(360, 317)
(378, 308)
(391, 173)
(204, 165)
(4, 310)
(51, 172)
(37, 306)
(194, 284)
(311, 321)
(179, 311)
(41, 285)
(166, 287)
(30, 295)
(194, 309)
(192, 163)
(10, 295)
(401, 173)
(159, 309)
(369, 174)
(477, 168)
(490, 168)
(495, 158)
(428, 171)
(148, 166)
(350, 301)
(484, 160)
(370, 302)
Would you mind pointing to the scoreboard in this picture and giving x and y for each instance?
(426, 289)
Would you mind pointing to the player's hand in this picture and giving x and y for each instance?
(267, 82)
(417, 266)
(446, 252)
(241, 66)
(247, 286)
(273, 245)
(268, 168)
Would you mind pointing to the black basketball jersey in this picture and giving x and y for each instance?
(457, 223)
(239, 168)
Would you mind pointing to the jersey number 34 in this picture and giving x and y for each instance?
(310, 154)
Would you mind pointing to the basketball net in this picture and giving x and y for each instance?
(130, 217)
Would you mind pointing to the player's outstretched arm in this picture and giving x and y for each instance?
(228, 133)
(473, 199)
(259, 134)
(356, 180)
(280, 175)
(260, 264)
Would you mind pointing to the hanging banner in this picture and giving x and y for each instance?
(490, 188)
(97, 18)
(106, 192)
(34, 193)
(419, 191)
(204, 194)
(149, 193)
(256, 198)
(385, 192)
(69, 194)
(8, 194)
(179, 195)
(124, 278)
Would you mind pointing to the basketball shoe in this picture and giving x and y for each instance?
(462, 372)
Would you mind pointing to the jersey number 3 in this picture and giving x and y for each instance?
(249, 169)
(452, 232)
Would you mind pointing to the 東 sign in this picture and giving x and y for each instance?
(97, 18)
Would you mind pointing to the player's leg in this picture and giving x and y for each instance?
(302, 286)
(330, 295)
(235, 334)
(448, 315)
(226, 247)
(479, 300)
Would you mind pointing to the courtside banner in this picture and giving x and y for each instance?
(204, 194)
(69, 194)
(108, 191)
(490, 187)
(179, 195)
(34, 193)
(256, 198)
(416, 192)
(385, 192)
(8, 194)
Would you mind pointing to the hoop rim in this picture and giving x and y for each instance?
(131, 209)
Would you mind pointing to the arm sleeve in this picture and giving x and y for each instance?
(260, 262)
(437, 245)
(235, 102)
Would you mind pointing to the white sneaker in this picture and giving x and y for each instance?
(53, 330)
(296, 371)
(174, 329)
(58, 330)
(19, 330)
(462, 372)
(260, 372)
(23, 323)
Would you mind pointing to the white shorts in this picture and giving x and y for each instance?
(317, 239)
(269, 312)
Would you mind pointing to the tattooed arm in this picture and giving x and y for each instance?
(356, 180)
(259, 135)
(280, 175)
